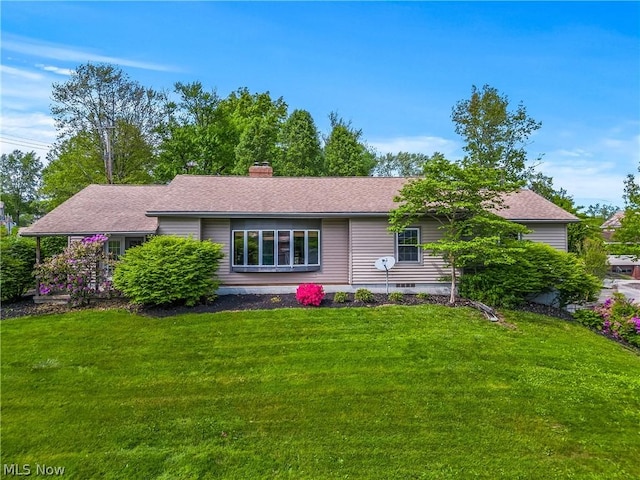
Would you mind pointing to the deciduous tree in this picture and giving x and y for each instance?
(19, 183)
(629, 230)
(345, 154)
(101, 100)
(300, 151)
(495, 136)
(463, 200)
(402, 164)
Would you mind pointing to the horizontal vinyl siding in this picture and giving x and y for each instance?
(549, 233)
(371, 240)
(182, 227)
(334, 265)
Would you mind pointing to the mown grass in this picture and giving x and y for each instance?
(388, 392)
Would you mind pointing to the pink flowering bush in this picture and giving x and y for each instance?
(81, 271)
(616, 317)
(310, 294)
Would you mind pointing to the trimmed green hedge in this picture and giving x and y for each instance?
(540, 269)
(168, 269)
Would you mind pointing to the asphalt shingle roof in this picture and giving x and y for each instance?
(133, 208)
(101, 209)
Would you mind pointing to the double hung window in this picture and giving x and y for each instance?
(408, 245)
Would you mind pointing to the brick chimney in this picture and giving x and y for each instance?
(260, 170)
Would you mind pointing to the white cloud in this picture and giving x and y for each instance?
(56, 70)
(418, 144)
(51, 51)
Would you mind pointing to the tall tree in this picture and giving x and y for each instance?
(198, 138)
(629, 230)
(401, 164)
(463, 200)
(19, 183)
(300, 150)
(344, 152)
(495, 136)
(100, 98)
(73, 164)
(209, 135)
(257, 120)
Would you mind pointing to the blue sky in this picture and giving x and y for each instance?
(394, 69)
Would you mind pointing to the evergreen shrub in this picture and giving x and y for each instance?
(540, 269)
(169, 269)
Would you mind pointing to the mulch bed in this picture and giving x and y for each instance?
(222, 303)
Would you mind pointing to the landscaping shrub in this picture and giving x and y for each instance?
(309, 294)
(340, 297)
(396, 297)
(617, 317)
(539, 269)
(167, 269)
(81, 271)
(17, 258)
(423, 296)
(363, 295)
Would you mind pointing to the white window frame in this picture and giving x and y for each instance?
(417, 247)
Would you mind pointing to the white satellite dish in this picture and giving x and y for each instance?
(385, 263)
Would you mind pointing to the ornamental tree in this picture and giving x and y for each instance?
(463, 201)
(81, 271)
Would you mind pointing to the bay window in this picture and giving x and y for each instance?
(275, 250)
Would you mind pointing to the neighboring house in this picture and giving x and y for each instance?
(622, 264)
(278, 232)
(611, 225)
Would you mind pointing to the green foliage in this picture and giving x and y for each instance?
(340, 297)
(462, 200)
(588, 318)
(495, 136)
(50, 246)
(19, 183)
(80, 271)
(17, 258)
(73, 164)
(595, 256)
(167, 269)
(402, 164)
(300, 151)
(617, 317)
(119, 116)
(423, 296)
(629, 231)
(364, 295)
(396, 297)
(539, 269)
(344, 152)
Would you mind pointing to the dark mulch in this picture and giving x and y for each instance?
(222, 303)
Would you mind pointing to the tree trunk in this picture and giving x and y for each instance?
(452, 297)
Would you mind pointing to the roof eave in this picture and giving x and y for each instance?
(265, 215)
(129, 233)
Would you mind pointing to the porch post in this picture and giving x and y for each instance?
(37, 263)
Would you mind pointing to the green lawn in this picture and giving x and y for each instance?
(385, 393)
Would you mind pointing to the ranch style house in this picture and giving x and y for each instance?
(279, 232)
